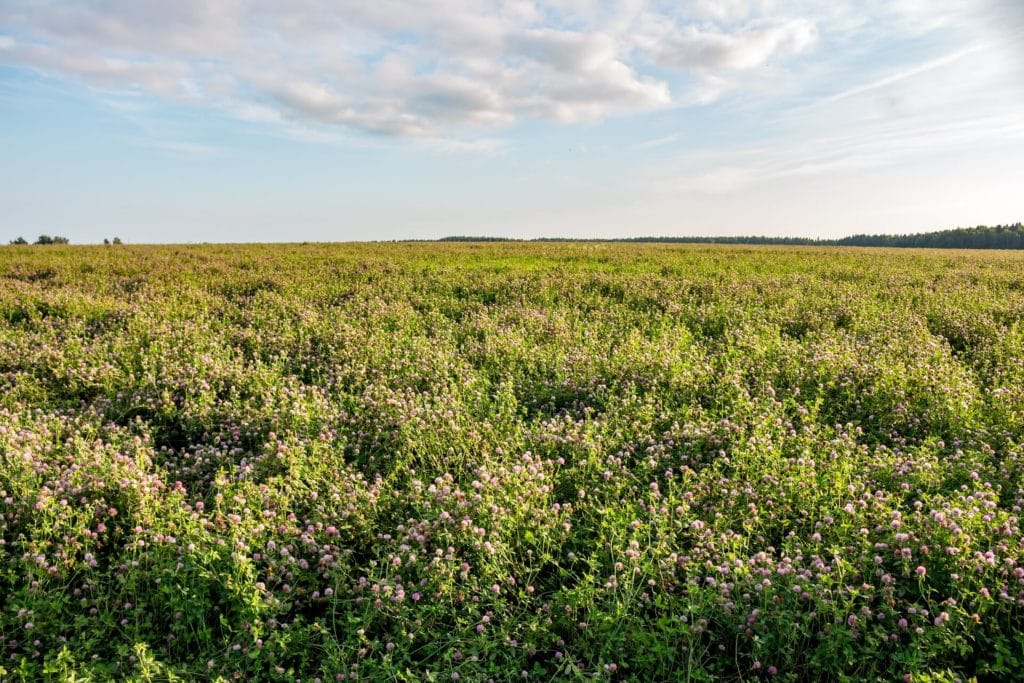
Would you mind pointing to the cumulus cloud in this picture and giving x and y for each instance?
(694, 48)
(163, 77)
(429, 70)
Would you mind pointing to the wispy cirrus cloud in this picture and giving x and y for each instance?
(902, 74)
(184, 150)
(866, 148)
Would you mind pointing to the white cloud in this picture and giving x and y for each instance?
(446, 69)
(392, 67)
(569, 51)
(166, 77)
(695, 48)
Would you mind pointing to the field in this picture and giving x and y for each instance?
(545, 462)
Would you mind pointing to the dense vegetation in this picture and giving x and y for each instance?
(42, 239)
(510, 461)
(980, 237)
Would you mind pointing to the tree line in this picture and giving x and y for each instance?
(979, 237)
(43, 239)
(56, 239)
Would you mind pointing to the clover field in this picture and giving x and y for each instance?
(503, 461)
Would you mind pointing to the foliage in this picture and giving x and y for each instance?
(980, 237)
(57, 239)
(510, 461)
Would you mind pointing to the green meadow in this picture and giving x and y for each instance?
(511, 461)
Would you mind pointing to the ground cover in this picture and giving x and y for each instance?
(510, 461)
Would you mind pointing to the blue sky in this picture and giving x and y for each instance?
(243, 120)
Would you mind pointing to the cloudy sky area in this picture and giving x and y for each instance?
(241, 120)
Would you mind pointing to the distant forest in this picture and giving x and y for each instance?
(980, 237)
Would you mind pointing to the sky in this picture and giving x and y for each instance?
(319, 120)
